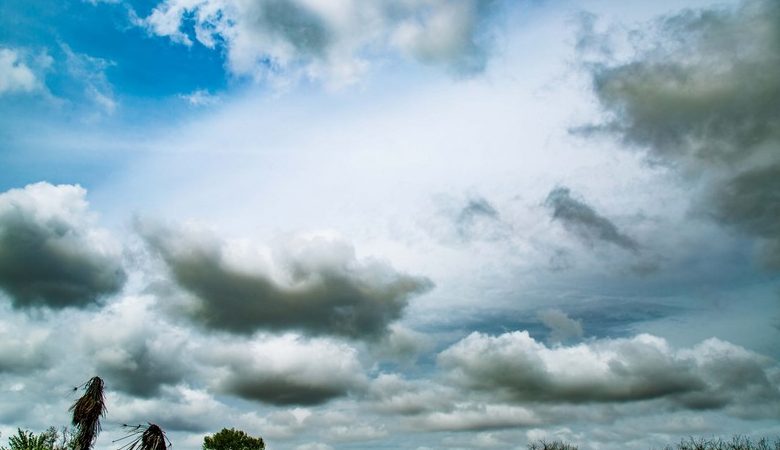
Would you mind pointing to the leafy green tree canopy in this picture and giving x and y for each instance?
(232, 439)
(27, 440)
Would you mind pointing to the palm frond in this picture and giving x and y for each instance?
(151, 437)
(87, 412)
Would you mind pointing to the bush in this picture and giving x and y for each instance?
(736, 443)
(553, 445)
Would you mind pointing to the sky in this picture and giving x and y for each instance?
(393, 224)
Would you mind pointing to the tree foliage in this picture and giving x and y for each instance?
(27, 440)
(232, 439)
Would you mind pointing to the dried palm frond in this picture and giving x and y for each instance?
(151, 437)
(87, 412)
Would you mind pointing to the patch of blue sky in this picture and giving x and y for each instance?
(138, 64)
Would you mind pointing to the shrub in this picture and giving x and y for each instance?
(552, 445)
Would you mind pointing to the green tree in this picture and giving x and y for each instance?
(27, 440)
(232, 439)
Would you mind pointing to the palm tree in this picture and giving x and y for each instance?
(87, 412)
(150, 438)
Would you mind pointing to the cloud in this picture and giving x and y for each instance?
(134, 350)
(394, 395)
(562, 327)
(22, 348)
(475, 219)
(702, 97)
(200, 97)
(15, 74)
(88, 74)
(583, 221)
(286, 370)
(178, 408)
(479, 417)
(328, 40)
(711, 375)
(51, 254)
(315, 285)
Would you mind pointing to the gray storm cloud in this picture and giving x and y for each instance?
(704, 98)
(711, 375)
(583, 221)
(51, 254)
(322, 288)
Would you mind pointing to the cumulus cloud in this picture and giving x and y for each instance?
(583, 221)
(703, 98)
(711, 375)
(286, 370)
(326, 39)
(315, 285)
(15, 74)
(51, 252)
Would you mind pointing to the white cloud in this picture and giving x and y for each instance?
(711, 375)
(200, 97)
(327, 39)
(285, 370)
(89, 73)
(15, 74)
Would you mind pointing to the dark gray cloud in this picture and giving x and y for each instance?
(711, 375)
(477, 219)
(293, 23)
(703, 97)
(50, 253)
(562, 327)
(141, 371)
(583, 221)
(286, 370)
(750, 201)
(282, 391)
(322, 289)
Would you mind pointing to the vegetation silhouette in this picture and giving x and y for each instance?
(150, 437)
(87, 412)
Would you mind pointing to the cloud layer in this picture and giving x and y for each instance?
(51, 254)
(320, 286)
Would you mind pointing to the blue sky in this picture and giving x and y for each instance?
(397, 224)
